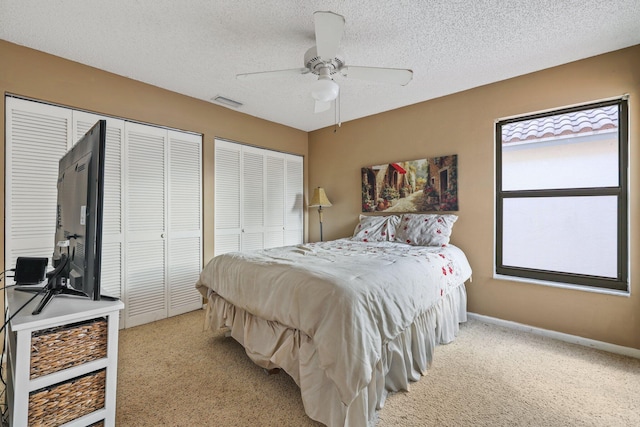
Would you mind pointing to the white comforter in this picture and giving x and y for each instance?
(350, 297)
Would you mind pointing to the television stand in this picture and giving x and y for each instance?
(80, 366)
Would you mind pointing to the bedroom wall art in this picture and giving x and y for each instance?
(424, 185)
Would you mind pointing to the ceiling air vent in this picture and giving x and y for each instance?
(226, 101)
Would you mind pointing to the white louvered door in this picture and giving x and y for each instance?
(185, 221)
(152, 230)
(145, 210)
(38, 135)
(294, 203)
(253, 199)
(258, 198)
(227, 197)
(274, 203)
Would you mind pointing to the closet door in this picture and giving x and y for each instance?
(227, 197)
(274, 201)
(258, 198)
(37, 136)
(253, 199)
(185, 221)
(294, 203)
(152, 230)
(112, 274)
(146, 228)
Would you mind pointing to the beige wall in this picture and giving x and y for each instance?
(463, 124)
(37, 75)
(458, 124)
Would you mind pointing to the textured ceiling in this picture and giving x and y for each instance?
(196, 47)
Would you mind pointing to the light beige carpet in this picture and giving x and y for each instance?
(173, 373)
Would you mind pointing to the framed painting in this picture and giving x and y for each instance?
(424, 185)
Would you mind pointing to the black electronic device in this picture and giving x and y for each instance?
(30, 271)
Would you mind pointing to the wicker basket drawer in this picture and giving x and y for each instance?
(62, 347)
(66, 401)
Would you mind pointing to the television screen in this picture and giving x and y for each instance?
(79, 211)
(77, 251)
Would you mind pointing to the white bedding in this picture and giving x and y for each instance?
(352, 302)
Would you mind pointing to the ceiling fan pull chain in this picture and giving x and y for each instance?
(338, 123)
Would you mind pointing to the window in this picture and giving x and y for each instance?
(561, 196)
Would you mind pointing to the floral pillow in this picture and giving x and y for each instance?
(425, 229)
(376, 228)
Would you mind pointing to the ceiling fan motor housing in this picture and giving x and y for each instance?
(314, 63)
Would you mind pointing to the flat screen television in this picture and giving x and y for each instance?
(77, 251)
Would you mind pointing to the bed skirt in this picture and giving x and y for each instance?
(402, 360)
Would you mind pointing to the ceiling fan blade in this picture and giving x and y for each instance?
(322, 106)
(383, 75)
(271, 74)
(329, 29)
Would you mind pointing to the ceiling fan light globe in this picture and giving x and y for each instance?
(324, 90)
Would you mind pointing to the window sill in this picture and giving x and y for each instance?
(569, 286)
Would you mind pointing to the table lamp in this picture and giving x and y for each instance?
(320, 200)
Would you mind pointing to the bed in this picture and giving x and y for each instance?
(349, 320)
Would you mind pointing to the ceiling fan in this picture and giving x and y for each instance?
(324, 60)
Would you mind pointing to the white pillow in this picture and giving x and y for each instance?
(376, 228)
(425, 229)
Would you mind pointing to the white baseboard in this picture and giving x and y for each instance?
(573, 339)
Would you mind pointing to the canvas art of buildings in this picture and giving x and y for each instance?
(423, 185)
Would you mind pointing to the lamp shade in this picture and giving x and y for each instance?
(319, 198)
